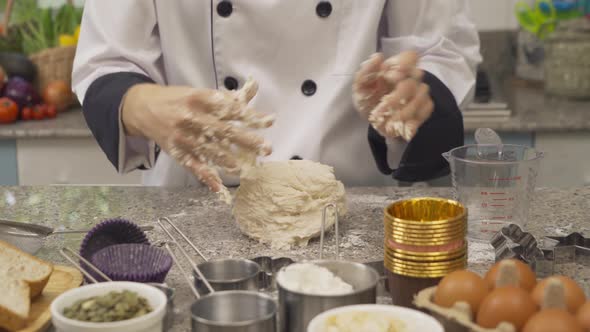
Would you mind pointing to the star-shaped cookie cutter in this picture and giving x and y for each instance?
(543, 256)
(574, 248)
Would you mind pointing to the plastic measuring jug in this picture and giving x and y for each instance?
(496, 183)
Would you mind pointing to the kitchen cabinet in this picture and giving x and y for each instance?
(67, 161)
(8, 163)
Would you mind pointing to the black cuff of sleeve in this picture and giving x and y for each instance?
(422, 160)
(101, 109)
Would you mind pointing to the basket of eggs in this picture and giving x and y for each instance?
(507, 299)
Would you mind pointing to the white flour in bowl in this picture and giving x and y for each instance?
(312, 279)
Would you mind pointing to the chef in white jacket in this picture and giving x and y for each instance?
(370, 87)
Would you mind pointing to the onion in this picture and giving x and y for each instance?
(58, 94)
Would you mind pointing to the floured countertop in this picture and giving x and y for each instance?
(209, 223)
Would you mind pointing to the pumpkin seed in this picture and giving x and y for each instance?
(112, 307)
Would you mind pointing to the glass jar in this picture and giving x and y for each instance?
(567, 60)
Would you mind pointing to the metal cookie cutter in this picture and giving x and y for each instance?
(574, 248)
(512, 242)
(543, 255)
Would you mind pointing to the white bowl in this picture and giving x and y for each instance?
(413, 320)
(147, 323)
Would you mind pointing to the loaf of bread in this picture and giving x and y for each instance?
(22, 278)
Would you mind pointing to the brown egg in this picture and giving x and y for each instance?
(583, 316)
(506, 304)
(553, 320)
(463, 286)
(526, 276)
(574, 295)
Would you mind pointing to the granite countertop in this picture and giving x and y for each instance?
(209, 223)
(532, 111)
(535, 111)
(69, 124)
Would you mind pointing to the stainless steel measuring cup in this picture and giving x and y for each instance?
(496, 183)
(221, 274)
(227, 311)
(170, 292)
(297, 309)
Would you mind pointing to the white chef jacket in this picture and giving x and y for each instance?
(283, 45)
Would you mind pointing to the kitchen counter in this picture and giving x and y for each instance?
(532, 111)
(69, 124)
(209, 223)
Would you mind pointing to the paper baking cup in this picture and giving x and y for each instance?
(424, 270)
(107, 233)
(426, 242)
(423, 274)
(426, 257)
(395, 230)
(426, 210)
(426, 265)
(391, 227)
(425, 215)
(133, 262)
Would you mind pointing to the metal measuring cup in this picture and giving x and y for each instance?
(220, 274)
(170, 292)
(297, 309)
(230, 310)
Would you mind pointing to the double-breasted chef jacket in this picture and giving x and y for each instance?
(302, 53)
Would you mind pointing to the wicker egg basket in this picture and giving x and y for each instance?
(53, 63)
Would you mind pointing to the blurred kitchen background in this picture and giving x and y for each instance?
(533, 88)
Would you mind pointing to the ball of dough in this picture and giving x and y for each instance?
(281, 202)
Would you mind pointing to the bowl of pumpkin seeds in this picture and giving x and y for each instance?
(110, 306)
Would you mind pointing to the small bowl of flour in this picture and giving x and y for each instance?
(309, 278)
(307, 289)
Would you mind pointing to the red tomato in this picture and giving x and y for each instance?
(39, 112)
(51, 111)
(8, 110)
(27, 113)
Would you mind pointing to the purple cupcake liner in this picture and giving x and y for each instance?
(133, 262)
(107, 233)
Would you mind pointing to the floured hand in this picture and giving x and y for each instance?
(200, 128)
(390, 94)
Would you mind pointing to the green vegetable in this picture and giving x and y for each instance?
(40, 28)
(112, 307)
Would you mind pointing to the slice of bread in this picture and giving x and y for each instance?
(14, 303)
(22, 277)
(17, 264)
